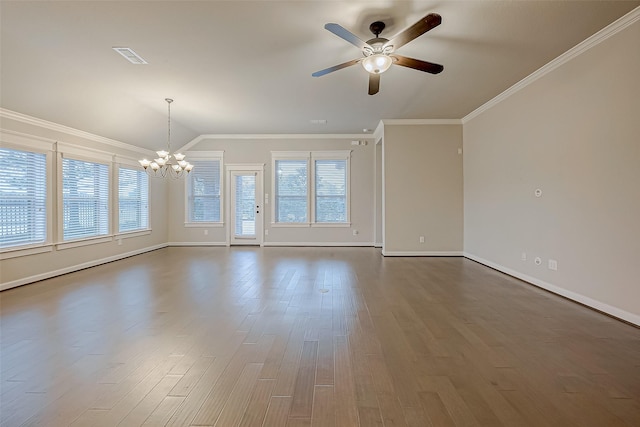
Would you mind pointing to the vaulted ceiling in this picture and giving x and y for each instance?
(245, 66)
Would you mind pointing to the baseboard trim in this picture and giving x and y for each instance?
(421, 253)
(581, 299)
(77, 267)
(197, 244)
(320, 244)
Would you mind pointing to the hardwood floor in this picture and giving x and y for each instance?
(308, 337)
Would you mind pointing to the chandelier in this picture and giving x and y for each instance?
(167, 164)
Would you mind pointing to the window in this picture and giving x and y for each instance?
(85, 199)
(133, 200)
(23, 198)
(203, 192)
(291, 191)
(331, 191)
(311, 185)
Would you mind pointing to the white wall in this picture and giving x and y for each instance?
(378, 195)
(422, 184)
(574, 134)
(258, 150)
(28, 268)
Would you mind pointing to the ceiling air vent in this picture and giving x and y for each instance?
(130, 55)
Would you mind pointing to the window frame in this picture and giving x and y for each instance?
(67, 151)
(293, 156)
(332, 155)
(116, 221)
(198, 156)
(21, 142)
(311, 157)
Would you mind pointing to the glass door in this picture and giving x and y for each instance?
(246, 209)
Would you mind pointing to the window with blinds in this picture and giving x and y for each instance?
(203, 192)
(291, 191)
(85, 199)
(330, 191)
(133, 200)
(23, 197)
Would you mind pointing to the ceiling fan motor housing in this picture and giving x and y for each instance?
(377, 27)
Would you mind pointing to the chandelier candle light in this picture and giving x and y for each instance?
(164, 166)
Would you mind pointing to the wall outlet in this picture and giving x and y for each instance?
(538, 260)
(421, 239)
(266, 232)
(119, 242)
(523, 256)
(553, 265)
(355, 232)
(206, 232)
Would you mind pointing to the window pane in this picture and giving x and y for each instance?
(85, 199)
(331, 190)
(204, 191)
(291, 190)
(133, 200)
(23, 196)
(245, 208)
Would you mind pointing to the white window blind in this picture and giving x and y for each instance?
(331, 190)
(203, 204)
(23, 196)
(291, 191)
(85, 199)
(133, 200)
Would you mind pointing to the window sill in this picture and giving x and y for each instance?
(84, 242)
(204, 224)
(290, 224)
(20, 251)
(133, 233)
(331, 224)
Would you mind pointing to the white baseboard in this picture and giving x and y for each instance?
(71, 269)
(421, 253)
(598, 305)
(197, 244)
(322, 244)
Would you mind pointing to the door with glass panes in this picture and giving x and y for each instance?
(245, 197)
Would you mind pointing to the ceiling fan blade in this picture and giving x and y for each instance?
(374, 83)
(336, 68)
(345, 34)
(416, 64)
(427, 23)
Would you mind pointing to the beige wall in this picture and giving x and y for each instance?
(25, 269)
(574, 134)
(259, 151)
(422, 189)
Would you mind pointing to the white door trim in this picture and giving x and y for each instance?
(258, 169)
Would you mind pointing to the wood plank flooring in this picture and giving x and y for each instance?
(247, 336)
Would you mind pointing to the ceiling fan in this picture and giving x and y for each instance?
(379, 53)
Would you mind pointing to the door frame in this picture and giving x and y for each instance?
(258, 169)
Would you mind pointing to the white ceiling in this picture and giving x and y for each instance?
(245, 66)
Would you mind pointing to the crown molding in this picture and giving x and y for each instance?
(280, 136)
(23, 118)
(602, 35)
(421, 121)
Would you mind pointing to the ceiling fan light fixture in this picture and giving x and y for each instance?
(377, 63)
